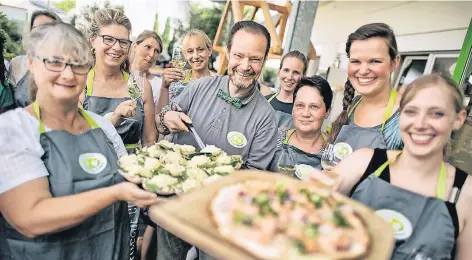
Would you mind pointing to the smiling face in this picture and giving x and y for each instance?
(64, 86)
(309, 110)
(111, 56)
(370, 66)
(246, 58)
(290, 73)
(427, 120)
(147, 53)
(196, 52)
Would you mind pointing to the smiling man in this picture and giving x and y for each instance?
(226, 111)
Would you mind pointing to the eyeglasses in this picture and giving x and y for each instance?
(110, 41)
(57, 65)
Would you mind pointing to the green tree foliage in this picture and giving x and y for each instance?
(83, 20)
(166, 33)
(206, 19)
(156, 24)
(269, 75)
(10, 33)
(65, 5)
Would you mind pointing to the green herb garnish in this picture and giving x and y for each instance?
(312, 230)
(242, 218)
(300, 246)
(339, 219)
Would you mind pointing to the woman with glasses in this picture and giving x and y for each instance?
(303, 145)
(61, 196)
(107, 92)
(19, 73)
(108, 82)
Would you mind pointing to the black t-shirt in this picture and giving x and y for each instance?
(279, 105)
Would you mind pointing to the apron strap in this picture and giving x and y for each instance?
(42, 129)
(440, 186)
(289, 134)
(89, 119)
(91, 78)
(272, 97)
(188, 77)
(131, 146)
(388, 111)
(292, 131)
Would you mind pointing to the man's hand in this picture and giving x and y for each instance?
(176, 121)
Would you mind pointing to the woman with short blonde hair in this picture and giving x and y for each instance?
(197, 49)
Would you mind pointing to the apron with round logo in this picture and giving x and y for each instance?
(365, 137)
(76, 163)
(425, 227)
(130, 131)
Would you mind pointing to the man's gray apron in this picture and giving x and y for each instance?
(90, 165)
(22, 95)
(425, 227)
(130, 131)
(284, 120)
(289, 155)
(365, 137)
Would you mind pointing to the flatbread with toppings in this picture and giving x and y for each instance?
(284, 221)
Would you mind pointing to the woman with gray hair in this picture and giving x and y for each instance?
(19, 73)
(61, 196)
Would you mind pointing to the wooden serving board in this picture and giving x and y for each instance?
(188, 217)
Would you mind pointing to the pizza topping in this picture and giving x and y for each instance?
(311, 220)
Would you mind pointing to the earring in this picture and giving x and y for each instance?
(93, 51)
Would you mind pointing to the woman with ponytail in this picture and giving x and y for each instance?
(369, 120)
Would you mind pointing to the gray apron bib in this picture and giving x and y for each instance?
(22, 96)
(130, 131)
(289, 155)
(90, 165)
(362, 137)
(425, 227)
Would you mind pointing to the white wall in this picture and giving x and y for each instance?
(419, 25)
(14, 13)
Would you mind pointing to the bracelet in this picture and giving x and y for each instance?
(165, 129)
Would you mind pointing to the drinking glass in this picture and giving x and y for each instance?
(328, 160)
(286, 163)
(136, 84)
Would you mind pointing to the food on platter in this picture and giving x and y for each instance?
(166, 168)
(285, 221)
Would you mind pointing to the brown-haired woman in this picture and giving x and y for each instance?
(145, 52)
(107, 93)
(292, 68)
(370, 119)
(19, 74)
(426, 200)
